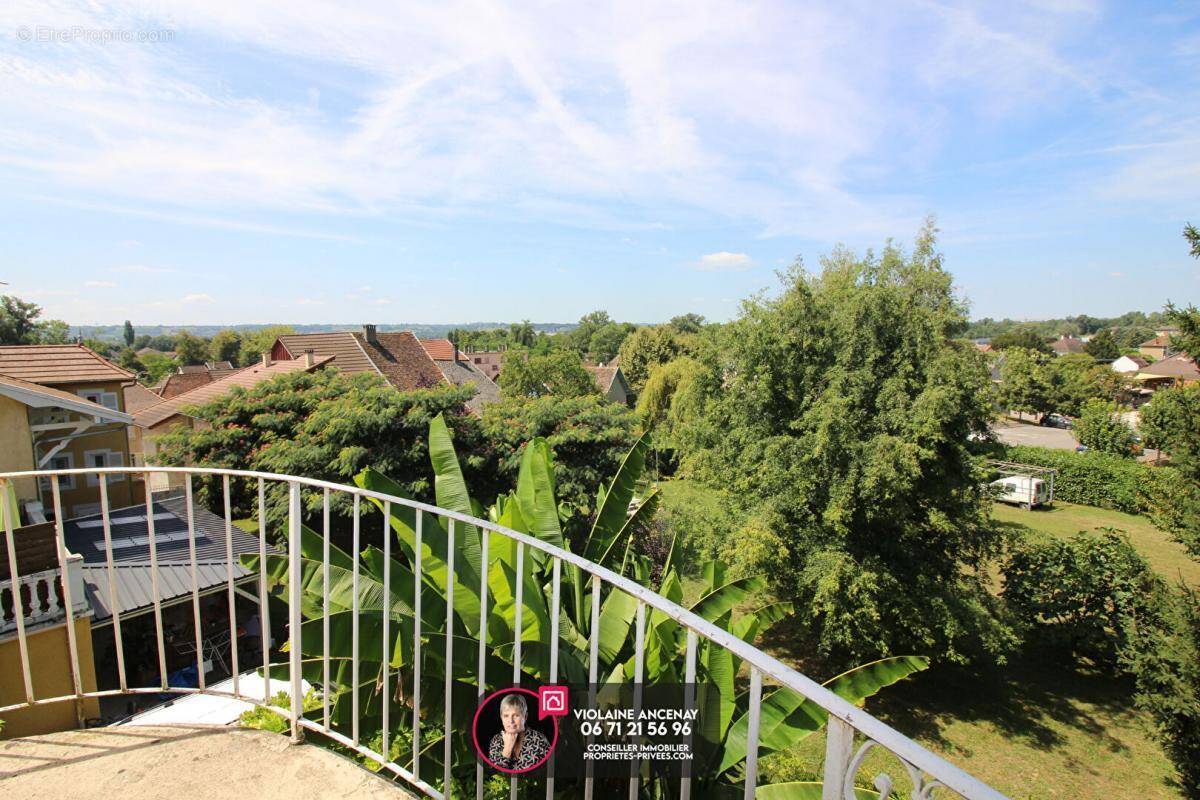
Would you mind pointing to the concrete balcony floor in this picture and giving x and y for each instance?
(179, 762)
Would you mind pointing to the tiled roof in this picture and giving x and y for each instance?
(177, 383)
(41, 396)
(160, 412)
(350, 355)
(460, 373)
(439, 349)
(1067, 344)
(1179, 365)
(138, 397)
(1157, 341)
(58, 363)
(604, 376)
(400, 358)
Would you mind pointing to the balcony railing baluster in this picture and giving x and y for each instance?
(264, 608)
(68, 603)
(112, 582)
(153, 539)
(483, 619)
(354, 690)
(14, 578)
(416, 715)
(752, 734)
(325, 599)
(386, 603)
(446, 748)
(233, 648)
(555, 600)
(294, 672)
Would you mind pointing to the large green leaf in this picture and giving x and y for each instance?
(786, 717)
(611, 514)
(636, 522)
(535, 494)
(617, 612)
(433, 549)
(451, 490)
(724, 599)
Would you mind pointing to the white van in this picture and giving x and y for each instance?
(1021, 490)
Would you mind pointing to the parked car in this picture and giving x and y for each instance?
(1021, 490)
(1058, 421)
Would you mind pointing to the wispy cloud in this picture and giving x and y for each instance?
(101, 284)
(724, 262)
(142, 269)
(198, 298)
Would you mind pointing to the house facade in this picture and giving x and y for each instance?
(63, 407)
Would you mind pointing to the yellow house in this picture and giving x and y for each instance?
(62, 407)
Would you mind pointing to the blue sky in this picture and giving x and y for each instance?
(462, 161)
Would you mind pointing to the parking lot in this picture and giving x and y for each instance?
(1015, 433)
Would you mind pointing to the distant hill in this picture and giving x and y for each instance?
(116, 332)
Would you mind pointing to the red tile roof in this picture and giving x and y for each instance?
(138, 397)
(250, 376)
(59, 363)
(439, 349)
(398, 357)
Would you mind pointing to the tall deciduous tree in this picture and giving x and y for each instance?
(1023, 338)
(559, 373)
(647, 348)
(190, 349)
(1026, 382)
(129, 334)
(843, 409)
(1103, 346)
(226, 346)
(1101, 428)
(256, 343)
(18, 320)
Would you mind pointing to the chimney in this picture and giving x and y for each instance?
(370, 334)
(266, 358)
(309, 358)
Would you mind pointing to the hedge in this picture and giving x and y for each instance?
(1099, 479)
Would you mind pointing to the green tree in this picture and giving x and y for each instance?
(589, 436)
(843, 408)
(1100, 428)
(162, 343)
(1027, 383)
(1103, 347)
(606, 341)
(1166, 667)
(1171, 423)
(559, 372)
(581, 337)
(646, 348)
(190, 349)
(226, 345)
(155, 367)
(130, 336)
(687, 323)
(1076, 378)
(128, 359)
(522, 333)
(52, 331)
(255, 343)
(1024, 338)
(18, 320)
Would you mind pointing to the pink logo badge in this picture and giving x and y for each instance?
(552, 701)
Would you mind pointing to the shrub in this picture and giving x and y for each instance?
(1100, 428)
(1100, 479)
(1166, 665)
(1087, 596)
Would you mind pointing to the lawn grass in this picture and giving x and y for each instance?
(1062, 520)
(1032, 731)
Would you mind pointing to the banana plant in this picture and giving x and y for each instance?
(532, 508)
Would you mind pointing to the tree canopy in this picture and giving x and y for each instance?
(844, 407)
(19, 324)
(558, 372)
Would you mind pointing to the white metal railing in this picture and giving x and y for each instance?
(846, 722)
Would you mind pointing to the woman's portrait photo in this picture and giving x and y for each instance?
(505, 735)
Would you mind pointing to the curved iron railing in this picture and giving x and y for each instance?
(926, 770)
